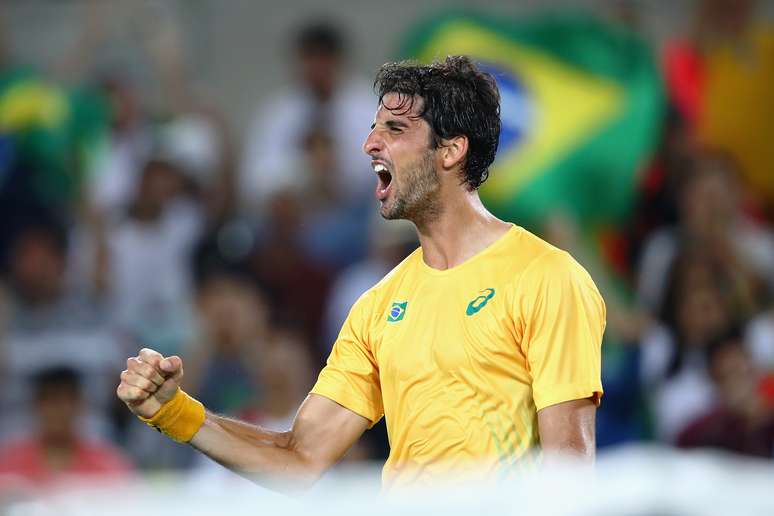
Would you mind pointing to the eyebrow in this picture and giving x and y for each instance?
(391, 124)
(395, 123)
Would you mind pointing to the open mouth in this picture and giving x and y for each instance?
(384, 180)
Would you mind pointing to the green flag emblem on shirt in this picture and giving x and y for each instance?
(397, 312)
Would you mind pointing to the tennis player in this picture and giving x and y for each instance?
(481, 346)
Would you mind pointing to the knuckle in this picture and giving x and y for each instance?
(121, 391)
(149, 353)
(146, 370)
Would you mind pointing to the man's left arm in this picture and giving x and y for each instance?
(567, 429)
(562, 337)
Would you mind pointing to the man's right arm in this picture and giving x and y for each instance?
(321, 433)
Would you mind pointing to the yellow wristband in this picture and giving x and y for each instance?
(179, 418)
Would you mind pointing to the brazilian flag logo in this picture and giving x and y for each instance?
(581, 105)
(397, 312)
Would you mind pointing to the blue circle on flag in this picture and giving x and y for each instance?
(395, 312)
(517, 108)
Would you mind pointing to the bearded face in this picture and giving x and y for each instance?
(403, 159)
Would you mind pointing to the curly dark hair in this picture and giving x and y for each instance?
(458, 100)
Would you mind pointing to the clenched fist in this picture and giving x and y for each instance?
(149, 381)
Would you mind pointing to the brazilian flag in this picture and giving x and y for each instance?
(48, 132)
(581, 101)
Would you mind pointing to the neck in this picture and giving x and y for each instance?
(460, 231)
(58, 444)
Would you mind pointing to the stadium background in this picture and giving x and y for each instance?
(168, 180)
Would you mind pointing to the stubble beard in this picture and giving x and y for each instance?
(418, 198)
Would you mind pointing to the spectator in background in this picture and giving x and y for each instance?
(225, 358)
(287, 372)
(150, 259)
(54, 448)
(700, 306)
(325, 95)
(296, 286)
(742, 419)
(51, 324)
(332, 232)
(657, 202)
(710, 218)
(117, 168)
(285, 367)
(720, 77)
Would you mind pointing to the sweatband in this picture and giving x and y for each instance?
(179, 418)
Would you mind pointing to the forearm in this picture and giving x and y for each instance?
(272, 459)
(288, 461)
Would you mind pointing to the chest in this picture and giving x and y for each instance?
(447, 328)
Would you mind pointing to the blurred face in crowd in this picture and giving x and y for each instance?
(735, 374)
(124, 108)
(233, 313)
(286, 368)
(727, 17)
(159, 184)
(56, 410)
(37, 268)
(321, 161)
(400, 147)
(701, 309)
(319, 71)
(285, 213)
(709, 200)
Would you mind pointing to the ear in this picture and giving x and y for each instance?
(453, 151)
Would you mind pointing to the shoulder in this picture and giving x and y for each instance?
(550, 278)
(541, 261)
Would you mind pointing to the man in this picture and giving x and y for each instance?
(56, 449)
(482, 344)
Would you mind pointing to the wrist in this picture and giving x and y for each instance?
(179, 418)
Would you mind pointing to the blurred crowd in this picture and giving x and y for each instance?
(126, 223)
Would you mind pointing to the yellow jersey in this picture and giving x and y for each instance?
(459, 361)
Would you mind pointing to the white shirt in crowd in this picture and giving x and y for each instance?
(273, 158)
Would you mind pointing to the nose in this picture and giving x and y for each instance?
(372, 144)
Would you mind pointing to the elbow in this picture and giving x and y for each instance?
(307, 468)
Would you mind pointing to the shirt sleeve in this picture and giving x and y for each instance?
(564, 320)
(351, 375)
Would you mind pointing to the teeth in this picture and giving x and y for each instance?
(380, 168)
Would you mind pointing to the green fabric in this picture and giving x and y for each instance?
(595, 103)
(54, 130)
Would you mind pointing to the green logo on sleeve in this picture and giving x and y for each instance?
(480, 302)
(397, 311)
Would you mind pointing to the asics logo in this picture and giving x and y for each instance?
(480, 301)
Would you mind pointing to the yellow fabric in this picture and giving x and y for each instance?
(738, 113)
(179, 418)
(462, 391)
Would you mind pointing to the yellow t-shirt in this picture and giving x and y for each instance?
(459, 361)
